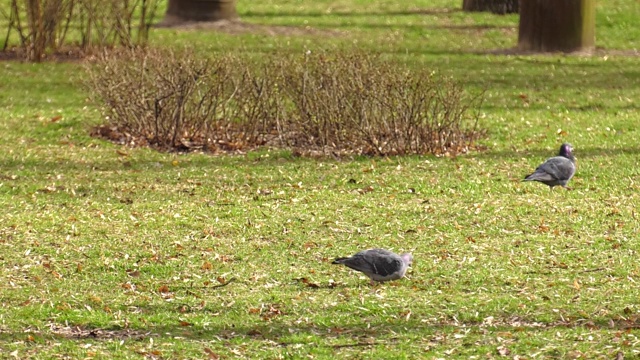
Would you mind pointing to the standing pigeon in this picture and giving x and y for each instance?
(557, 170)
(378, 264)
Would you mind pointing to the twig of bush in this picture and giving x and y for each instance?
(45, 26)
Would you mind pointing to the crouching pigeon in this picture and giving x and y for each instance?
(557, 170)
(378, 264)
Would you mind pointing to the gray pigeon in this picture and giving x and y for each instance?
(557, 170)
(378, 264)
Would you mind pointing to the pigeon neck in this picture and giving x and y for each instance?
(570, 157)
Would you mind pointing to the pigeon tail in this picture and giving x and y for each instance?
(538, 176)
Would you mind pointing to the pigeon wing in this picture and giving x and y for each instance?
(558, 168)
(540, 175)
(376, 261)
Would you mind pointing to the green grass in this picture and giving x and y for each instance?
(131, 243)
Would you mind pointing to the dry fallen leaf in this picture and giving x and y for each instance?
(133, 273)
(211, 354)
(503, 351)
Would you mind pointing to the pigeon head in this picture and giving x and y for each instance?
(407, 258)
(566, 151)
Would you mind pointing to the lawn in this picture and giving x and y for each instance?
(118, 252)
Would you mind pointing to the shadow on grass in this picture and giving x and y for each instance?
(580, 153)
(431, 11)
(134, 166)
(356, 332)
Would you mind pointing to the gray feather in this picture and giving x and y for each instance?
(557, 170)
(378, 264)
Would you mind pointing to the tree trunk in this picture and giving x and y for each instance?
(557, 25)
(180, 11)
(495, 6)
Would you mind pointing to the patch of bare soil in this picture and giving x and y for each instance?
(240, 27)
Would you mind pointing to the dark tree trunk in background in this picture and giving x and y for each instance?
(495, 6)
(557, 25)
(180, 11)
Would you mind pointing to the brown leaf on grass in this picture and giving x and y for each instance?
(271, 312)
(254, 310)
(55, 118)
(308, 282)
(575, 354)
(221, 280)
(222, 258)
(163, 289)
(212, 355)
(576, 284)
(406, 315)
(133, 273)
(185, 323)
(122, 152)
(49, 189)
(206, 266)
(503, 351)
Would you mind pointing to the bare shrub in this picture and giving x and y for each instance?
(330, 103)
(379, 107)
(44, 26)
